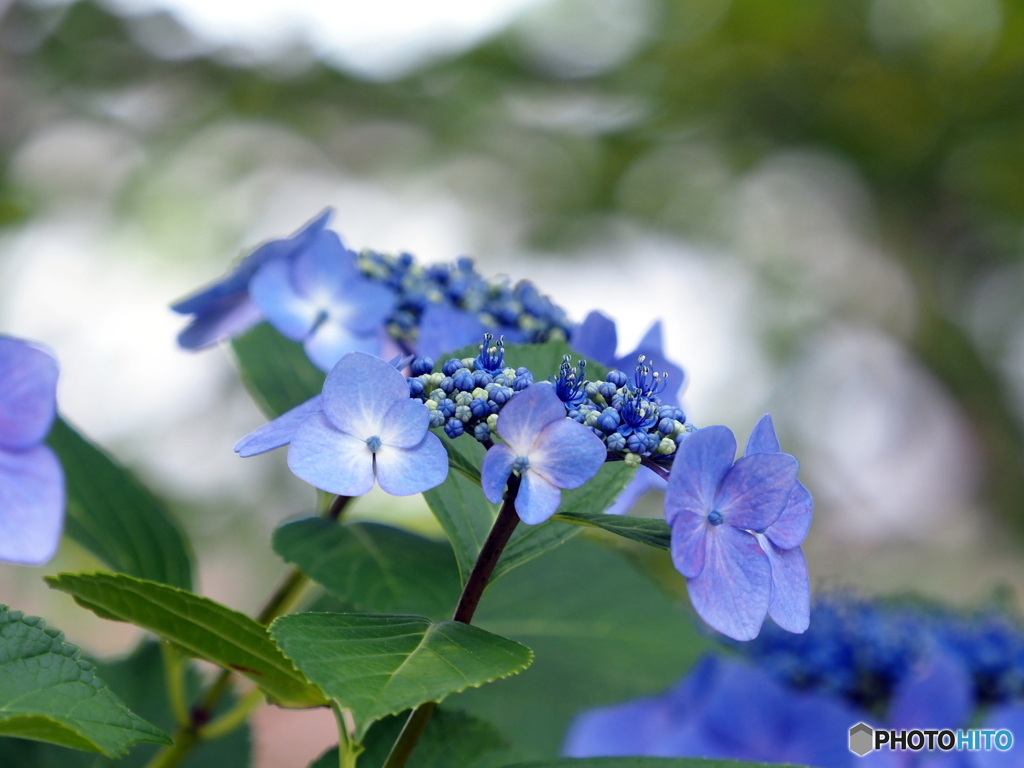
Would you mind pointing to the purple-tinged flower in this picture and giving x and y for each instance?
(791, 587)
(446, 328)
(224, 309)
(318, 297)
(31, 478)
(1009, 717)
(548, 450)
(368, 426)
(713, 506)
(721, 709)
(597, 338)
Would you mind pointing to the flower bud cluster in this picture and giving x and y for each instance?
(518, 312)
(626, 413)
(465, 395)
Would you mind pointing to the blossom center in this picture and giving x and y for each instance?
(715, 517)
(521, 464)
(373, 443)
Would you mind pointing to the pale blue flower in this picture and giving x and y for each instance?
(713, 507)
(318, 297)
(446, 328)
(368, 427)
(548, 450)
(31, 478)
(791, 587)
(224, 309)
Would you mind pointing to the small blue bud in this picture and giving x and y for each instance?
(523, 372)
(373, 443)
(577, 415)
(521, 464)
(616, 442)
(415, 387)
(618, 378)
(608, 420)
(447, 385)
(464, 381)
(447, 407)
(422, 365)
(437, 418)
(463, 412)
(637, 443)
(715, 517)
(451, 366)
(502, 395)
(492, 407)
(653, 441)
(480, 408)
(482, 432)
(667, 425)
(522, 382)
(482, 378)
(453, 428)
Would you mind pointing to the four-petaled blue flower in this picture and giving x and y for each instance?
(547, 449)
(224, 309)
(368, 426)
(318, 297)
(31, 478)
(791, 589)
(713, 507)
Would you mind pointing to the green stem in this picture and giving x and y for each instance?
(234, 717)
(484, 566)
(174, 672)
(348, 749)
(195, 728)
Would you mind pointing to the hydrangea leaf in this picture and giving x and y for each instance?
(374, 567)
(464, 514)
(602, 633)
(275, 371)
(114, 516)
(652, 531)
(381, 665)
(196, 625)
(465, 454)
(543, 360)
(48, 692)
(595, 496)
(638, 762)
(452, 739)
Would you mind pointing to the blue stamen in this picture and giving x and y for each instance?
(521, 464)
(373, 443)
(715, 517)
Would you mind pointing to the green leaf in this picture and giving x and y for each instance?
(197, 625)
(48, 692)
(647, 530)
(275, 371)
(465, 515)
(381, 665)
(640, 762)
(595, 496)
(115, 517)
(465, 454)
(452, 739)
(543, 360)
(601, 631)
(374, 567)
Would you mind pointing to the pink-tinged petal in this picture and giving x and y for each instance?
(790, 605)
(701, 462)
(272, 291)
(643, 481)
(330, 342)
(28, 393)
(405, 471)
(537, 500)
(688, 546)
(31, 505)
(567, 454)
(359, 391)
(278, 432)
(494, 471)
(527, 414)
(405, 424)
(791, 528)
(755, 490)
(331, 460)
(733, 591)
(763, 439)
(228, 319)
(596, 338)
(323, 270)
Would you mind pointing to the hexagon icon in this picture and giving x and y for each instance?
(862, 739)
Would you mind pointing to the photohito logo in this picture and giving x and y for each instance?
(864, 739)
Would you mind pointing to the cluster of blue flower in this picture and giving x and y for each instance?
(897, 666)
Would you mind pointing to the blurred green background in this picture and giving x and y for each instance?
(822, 199)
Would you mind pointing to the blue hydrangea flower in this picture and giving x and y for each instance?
(445, 328)
(31, 478)
(791, 587)
(1011, 718)
(368, 427)
(721, 709)
(548, 450)
(713, 506)
(318, 297)
(224, 309)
